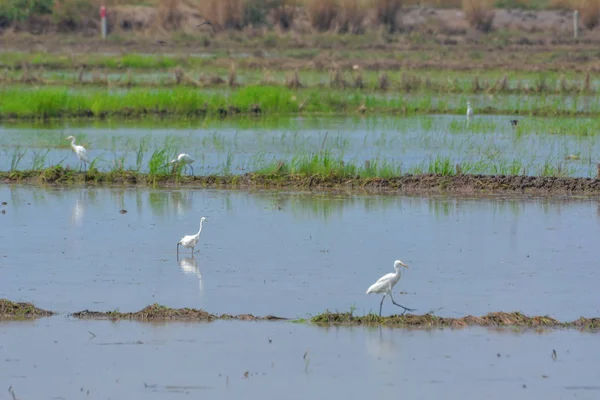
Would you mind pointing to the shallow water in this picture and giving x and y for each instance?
(296, 254)
(59, 358)
(489, 143)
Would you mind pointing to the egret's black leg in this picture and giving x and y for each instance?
(381, 304)
(400, 305)
(192, 170)
(178, 247)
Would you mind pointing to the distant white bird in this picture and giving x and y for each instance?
(80, 152)
(190, 241)
(469, 110)
(386, 283)
(184, 159)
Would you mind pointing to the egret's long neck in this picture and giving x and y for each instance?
(73, 143)
(199, 230)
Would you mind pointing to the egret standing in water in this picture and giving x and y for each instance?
(469, 110)
(80, 152)
(185, 160)
(386, 283)
(190, 241)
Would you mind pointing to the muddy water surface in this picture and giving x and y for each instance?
(60, 358)
(295, 254)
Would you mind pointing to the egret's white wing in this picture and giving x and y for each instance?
(82, 153)
(186, 239)
(381, 282)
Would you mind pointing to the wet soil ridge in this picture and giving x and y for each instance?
(407, 183)
(10, 309)
(157, 312)
(494, 319)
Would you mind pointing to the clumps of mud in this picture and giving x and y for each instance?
(157, 312)
(10, 309)
(424, 183)
(492, 320)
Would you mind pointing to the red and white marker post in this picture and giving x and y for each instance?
(103, 21)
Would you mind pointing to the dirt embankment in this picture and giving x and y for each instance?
(494, 320)
(157, 312)
(11, 310)
(425, 184)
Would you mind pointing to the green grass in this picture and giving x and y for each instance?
(494, 319)
(55, 102)
(319, 168)
(10, 309)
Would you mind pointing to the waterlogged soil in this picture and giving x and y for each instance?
(157, 312)
(494, 319)
(235, 359)
(296, 254)
(426, 183)
(10, 309)
(238, 146)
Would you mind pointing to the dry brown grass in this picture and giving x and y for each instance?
(351, 16)
(322, 13)
(386, 12)
(479, 14)
(589, 11)
(178, 15)
(283, 14)
(70, 15)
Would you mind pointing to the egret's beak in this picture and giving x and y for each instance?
(404, 265)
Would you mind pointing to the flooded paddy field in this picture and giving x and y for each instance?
(58, 357)
(294, 254)
(420, 144)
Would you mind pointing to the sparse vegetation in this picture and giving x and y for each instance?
(157, 312)
(324, 15)
(480, 14)
(493, 320)
(10, 309)
(590, 13)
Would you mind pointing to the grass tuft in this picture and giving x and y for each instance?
(322, 13)
(590, 13)
(494, 320)
(479, 13)
(10, 309)
(386, 13)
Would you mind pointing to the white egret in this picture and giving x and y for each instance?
(79, 151)
(184, 159)
(469, 110)
(386, 283)
(190, 241)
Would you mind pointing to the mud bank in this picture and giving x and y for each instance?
(494, 320)
(425, 183)
(157, 312)
(10, 310)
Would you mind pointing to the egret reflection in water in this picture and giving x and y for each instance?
(189, 266)
(379, 346)
(79, 208)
